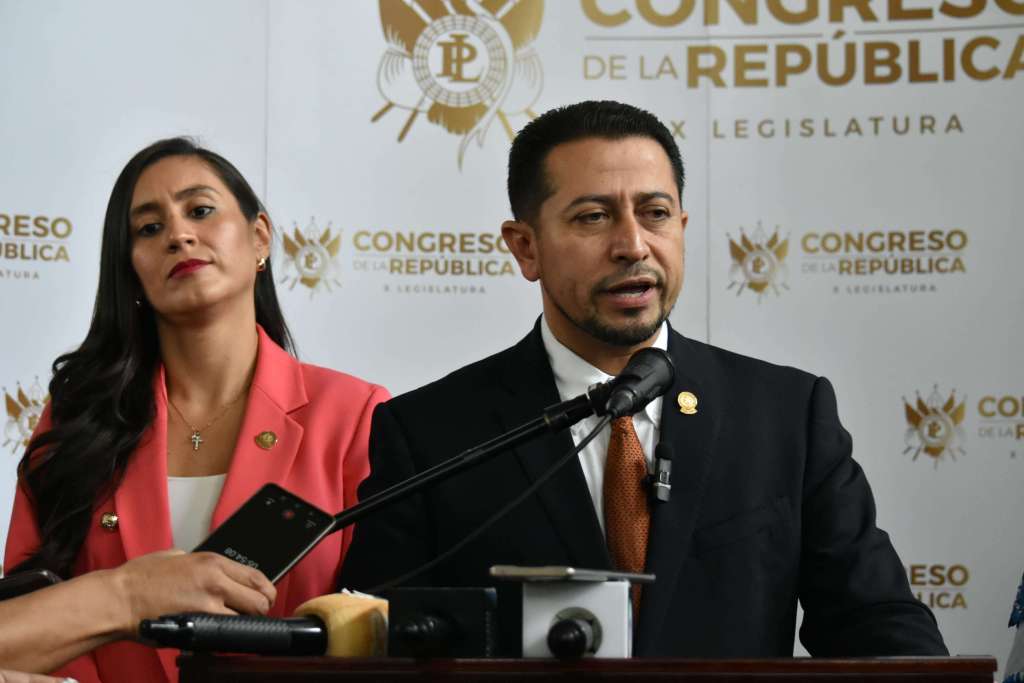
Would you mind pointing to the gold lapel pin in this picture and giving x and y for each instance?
(108, 521)
(266, 440)
(687, 403)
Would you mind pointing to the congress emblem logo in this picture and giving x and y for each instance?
(311, 258)
(758, 262)
(23, 412)
(462, 63)
(933, 426)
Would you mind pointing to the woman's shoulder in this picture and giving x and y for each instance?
(322, 381)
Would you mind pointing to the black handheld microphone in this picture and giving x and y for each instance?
(647, 375)
(661, 480)
(237, 633)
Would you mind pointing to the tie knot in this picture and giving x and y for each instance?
(623, 424)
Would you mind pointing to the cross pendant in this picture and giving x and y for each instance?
(196, 439)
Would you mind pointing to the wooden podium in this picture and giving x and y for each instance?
(246, 669)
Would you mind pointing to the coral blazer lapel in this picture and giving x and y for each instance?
(140, 500)
(144, 517)
(277, 390)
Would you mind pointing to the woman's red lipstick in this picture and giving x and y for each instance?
(187, 267)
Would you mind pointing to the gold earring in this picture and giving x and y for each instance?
(261, 264)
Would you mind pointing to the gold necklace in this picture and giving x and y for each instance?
(197, 438)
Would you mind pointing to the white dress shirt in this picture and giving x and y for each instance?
(572, 377)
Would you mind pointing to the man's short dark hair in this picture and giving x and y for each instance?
(528, 184)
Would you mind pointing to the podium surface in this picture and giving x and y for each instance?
(244, 669)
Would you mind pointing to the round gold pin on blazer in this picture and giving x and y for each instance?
(687, 403)
(266, 440)
(108, 521)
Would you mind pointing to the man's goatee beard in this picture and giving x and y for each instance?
(628, 335)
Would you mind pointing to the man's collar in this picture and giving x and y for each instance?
(573, 375)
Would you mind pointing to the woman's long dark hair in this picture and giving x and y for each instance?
(102, 393)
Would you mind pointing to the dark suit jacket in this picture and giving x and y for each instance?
(767, 507)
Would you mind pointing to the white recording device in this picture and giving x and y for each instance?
(571, 613)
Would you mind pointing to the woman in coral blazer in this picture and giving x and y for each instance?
(183, 384)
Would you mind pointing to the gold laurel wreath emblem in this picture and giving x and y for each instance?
(311, 258)
(758, 262)
(432, 64)
(23, 413)
(933, 426)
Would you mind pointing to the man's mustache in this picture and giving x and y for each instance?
(636, 270)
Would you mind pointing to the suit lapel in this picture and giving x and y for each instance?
(277, 389)
(529, 388)
(692, 438)
(144, 518)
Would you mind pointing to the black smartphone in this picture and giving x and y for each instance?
(271, 531)
(25, 582)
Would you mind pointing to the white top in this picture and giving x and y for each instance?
(192, 500)
(572, 377)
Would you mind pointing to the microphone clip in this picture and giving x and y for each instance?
(660, 481)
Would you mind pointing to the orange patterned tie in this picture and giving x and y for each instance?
(627, 519)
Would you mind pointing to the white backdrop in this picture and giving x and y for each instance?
(824, 142)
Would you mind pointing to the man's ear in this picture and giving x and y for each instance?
(521, 240)
(262, 230)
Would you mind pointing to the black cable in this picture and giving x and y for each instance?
(530, 490)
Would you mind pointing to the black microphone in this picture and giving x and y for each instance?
(575, 633)
(571, 638)
(661, 480)
(647, 375)
(237, 633)
(425, 635)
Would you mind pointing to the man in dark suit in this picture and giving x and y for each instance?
(767, 506)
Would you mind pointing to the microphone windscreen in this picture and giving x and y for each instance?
(357, 625)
